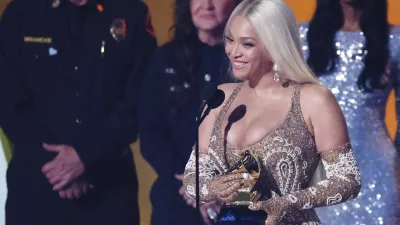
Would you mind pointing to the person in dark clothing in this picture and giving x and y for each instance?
(70, 71)
(170, 101)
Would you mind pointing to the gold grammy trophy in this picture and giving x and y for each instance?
(252, 190)
(250, 166)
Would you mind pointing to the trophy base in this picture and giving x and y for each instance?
(244, 197)
(240, 215)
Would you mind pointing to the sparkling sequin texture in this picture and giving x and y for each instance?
(364, 113)
(290, 155)
(342, 184)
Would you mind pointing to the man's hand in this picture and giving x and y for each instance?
(182, 192)
(76, 190)
(64, 168)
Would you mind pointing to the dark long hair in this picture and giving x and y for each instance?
(184, 41)
(329, 18)
(183, 55)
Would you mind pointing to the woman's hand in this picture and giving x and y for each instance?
(222, 187)
(188, 200)
(225, 187)
(276, 208)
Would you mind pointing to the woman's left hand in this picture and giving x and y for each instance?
(276, 208)
(188, 200)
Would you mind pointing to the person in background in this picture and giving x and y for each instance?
(70, 71)
(355, 52)
(170, 102)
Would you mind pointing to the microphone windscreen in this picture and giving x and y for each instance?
(217, 99)
(207, 91)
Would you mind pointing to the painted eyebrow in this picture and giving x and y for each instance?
(247, 38)
(241, 38)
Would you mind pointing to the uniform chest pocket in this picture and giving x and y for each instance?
(35, 56)
(41, 64)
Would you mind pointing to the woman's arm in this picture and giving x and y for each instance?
(213, 186)
(343, 177)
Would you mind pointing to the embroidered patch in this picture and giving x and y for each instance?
(40, 40)
(118, 29)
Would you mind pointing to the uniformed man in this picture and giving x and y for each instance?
(69, 75)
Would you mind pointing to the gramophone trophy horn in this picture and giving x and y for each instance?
(251, 165)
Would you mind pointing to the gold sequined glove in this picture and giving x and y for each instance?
(225, 187)
(212, 185)
(276, 208)
(343, 183)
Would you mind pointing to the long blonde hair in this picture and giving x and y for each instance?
(276, 26)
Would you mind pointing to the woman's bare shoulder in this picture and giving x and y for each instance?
(316, 94)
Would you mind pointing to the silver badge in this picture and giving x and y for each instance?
(118, 29)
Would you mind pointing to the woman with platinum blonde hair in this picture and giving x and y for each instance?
(268, 136)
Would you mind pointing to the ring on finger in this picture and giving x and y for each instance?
(211, 213)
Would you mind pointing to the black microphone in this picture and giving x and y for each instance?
(215, 101)
(206, 93)
(212, 97)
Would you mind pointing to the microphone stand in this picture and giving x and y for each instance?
(199, 119)
(212, 102)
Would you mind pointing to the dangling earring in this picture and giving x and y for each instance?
(275, 68)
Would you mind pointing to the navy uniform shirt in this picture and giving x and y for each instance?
(168, 133)
(70, 75)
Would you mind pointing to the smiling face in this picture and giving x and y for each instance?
(245, 50)
(208, 15)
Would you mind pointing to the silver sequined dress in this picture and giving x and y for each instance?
(374, 151)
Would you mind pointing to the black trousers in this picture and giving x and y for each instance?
(31, 201)
(169, 208)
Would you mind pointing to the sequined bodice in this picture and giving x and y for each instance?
(289, 161)
(289, 150)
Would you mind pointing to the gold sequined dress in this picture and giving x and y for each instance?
(289, 153)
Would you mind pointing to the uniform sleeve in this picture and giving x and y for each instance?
(155, 143)
(120, 127)
(17, 117)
